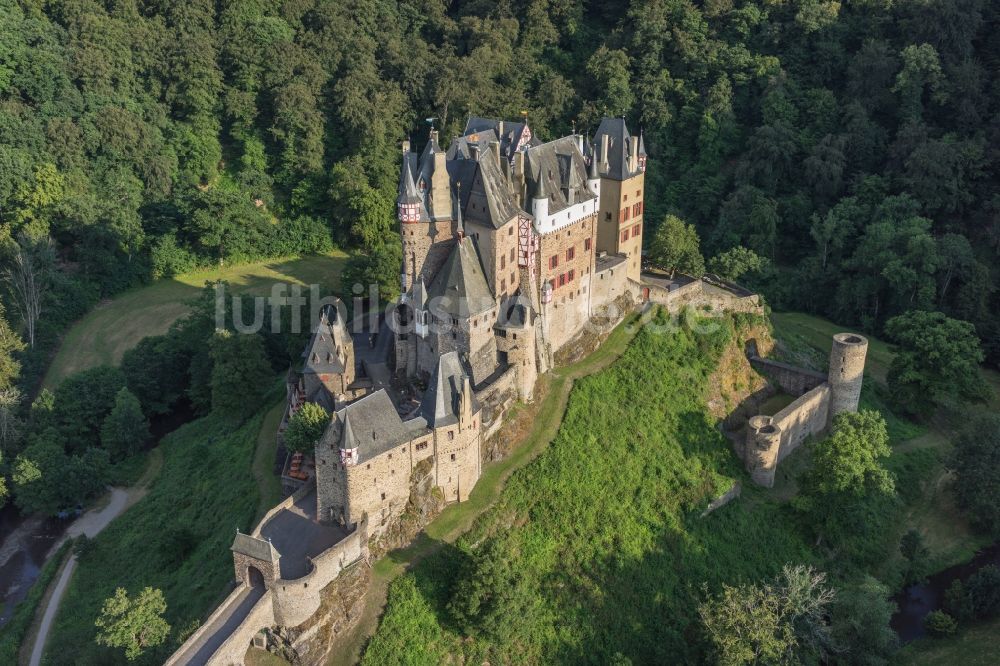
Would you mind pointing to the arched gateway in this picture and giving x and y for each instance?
(255, 560)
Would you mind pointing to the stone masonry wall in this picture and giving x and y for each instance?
(792, 380)
(803, 417)
(295, 601)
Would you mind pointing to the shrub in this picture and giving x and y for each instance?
(939, 623)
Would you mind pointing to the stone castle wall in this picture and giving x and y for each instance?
(295, 601)
(805, 416)
(792, 380)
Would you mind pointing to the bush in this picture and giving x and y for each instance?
(939, 623)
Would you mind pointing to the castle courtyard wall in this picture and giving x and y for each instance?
(805, 416)
(792, 380)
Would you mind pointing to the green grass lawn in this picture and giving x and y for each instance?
(975, 646)
(115, 326)
(176, 538)
(603, 548)
(818, 333)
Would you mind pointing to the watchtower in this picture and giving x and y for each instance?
(847, 368)
(763, 444)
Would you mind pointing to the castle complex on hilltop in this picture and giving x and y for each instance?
(510, 247)
(513, 249)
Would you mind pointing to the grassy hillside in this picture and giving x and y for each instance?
(177, 539)
(115, 326)
(597, 548)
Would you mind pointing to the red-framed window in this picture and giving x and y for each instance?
(636, 230)
(570, 253)
(627, 213)
(562, 279)
(570, 276)
(554, 261)
(586, 244)
(511, 255)
(624, 235)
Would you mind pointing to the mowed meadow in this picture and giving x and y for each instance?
(103, 335)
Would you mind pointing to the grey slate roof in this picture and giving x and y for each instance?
(515, 312)
(440, 404)
(259, 549)
(460, 289)
(486, 197)
(618, 147)
(558, 169)
(321, 355)
(373, 426)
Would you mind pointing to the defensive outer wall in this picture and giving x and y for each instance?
(770, 439)
(290, 603)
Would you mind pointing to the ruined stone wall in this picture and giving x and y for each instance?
(805, 416)
(703, 296)
(792, 380)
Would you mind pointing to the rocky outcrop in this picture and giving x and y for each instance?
(341, 607)
(425, 503)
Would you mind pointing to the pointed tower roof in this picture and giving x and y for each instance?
(321, 356)
(460, 289)
(642, 145)
(440, 403)
(540, 191)
(408, 193)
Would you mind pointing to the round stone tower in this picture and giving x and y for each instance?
(761, 451)
(847, 368)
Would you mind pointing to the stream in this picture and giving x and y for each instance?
(916, 601)
(26, 541)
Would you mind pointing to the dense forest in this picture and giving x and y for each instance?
(854, 145)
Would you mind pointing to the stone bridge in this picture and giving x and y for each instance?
(280, 570)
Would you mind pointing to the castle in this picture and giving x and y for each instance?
(513, 249)
(510, 246)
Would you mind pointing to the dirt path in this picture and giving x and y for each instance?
(538, 424)
(90, 525)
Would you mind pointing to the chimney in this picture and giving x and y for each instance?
(518, 176)
(633, 153)
(434, 137)
(474, 151)
(495, 150)
(500, 129)
(579, 142)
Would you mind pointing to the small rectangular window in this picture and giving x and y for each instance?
(451, 435)
(570, 253)
(452, 457)
(570, 276)
(586, 244)
(554, 261)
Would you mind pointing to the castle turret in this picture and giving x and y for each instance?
(847, 368)
(642, 153)
(763, 444)
(540, 200)
(594, 175)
